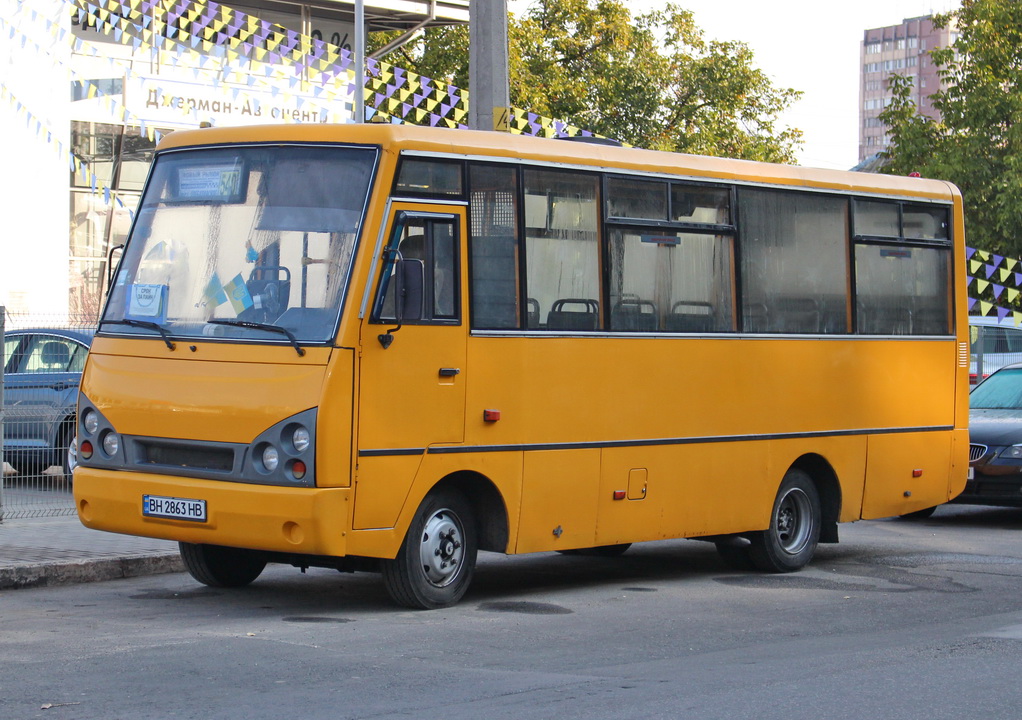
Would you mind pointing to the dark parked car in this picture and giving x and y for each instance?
(995, 440)
(42, 369)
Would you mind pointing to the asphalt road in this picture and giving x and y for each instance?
(903, 619)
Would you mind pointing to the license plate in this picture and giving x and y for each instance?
(175, 508)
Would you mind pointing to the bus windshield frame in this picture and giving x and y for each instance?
(250, 243)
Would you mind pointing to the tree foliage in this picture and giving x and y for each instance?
(653, 80)
(977, 143)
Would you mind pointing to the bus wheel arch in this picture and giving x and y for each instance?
(487, 505)
(829, 490)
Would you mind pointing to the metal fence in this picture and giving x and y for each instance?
(43, 360)
(993, 347)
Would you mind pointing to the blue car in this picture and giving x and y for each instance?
(42, 370)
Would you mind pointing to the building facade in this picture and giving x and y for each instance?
(902, 49)
(88, 87)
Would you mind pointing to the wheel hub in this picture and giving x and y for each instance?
(793, 522)
(441, 550)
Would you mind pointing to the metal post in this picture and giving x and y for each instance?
(360, 62)
(488, 85)
(980, 346)
(3, 479)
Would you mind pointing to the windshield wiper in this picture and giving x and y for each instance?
(146, 324)
(262, 326)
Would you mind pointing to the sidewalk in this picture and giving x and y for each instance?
(40, 552)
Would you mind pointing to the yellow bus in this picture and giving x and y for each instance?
(385, 348)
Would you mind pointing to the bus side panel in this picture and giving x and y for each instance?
(558, 509)
(959, 463)
(334, 431)
(381, 488)
(714, 488)
(900, 473)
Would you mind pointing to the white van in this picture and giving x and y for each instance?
(1001, 344)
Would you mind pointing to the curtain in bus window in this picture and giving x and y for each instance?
(493, 247)
(793, 250)
(669, 281)
(562, 250)
(902, 290)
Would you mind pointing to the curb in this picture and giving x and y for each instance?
(51, 574)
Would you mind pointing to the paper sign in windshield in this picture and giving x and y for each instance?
(148, 302)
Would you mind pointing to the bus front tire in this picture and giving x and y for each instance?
(219, 566)
(437, 559)
(790, 541)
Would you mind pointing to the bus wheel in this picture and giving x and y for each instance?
(790, 541)
(437, 559)
(219, 566)
(735, 554)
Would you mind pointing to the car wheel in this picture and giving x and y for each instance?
(790, 541)
(437, 559)
(219, 566)
(69, 447)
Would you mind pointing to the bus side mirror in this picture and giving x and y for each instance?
(408, 279)
(411, 274)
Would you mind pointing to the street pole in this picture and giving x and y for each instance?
(360, 62)
(487, 63)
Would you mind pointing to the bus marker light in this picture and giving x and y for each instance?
(491, 415)
(85, 449)
(620, 494)
(298, 469)
(918, 472)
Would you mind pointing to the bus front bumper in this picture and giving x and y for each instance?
(310, 521)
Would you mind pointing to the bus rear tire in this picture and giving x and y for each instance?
(790, 541)
(219, 566)
(437, 559)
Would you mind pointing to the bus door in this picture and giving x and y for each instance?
(412, 375)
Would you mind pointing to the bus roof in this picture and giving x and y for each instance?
(482, 144)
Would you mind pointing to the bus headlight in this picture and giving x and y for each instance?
(285, 452)
(111, 444)
(90, 420)
(301, 438)
(271, 458)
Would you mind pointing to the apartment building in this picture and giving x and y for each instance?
(902, 49)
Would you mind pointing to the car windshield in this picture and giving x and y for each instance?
(258, 239)
(1002, 390)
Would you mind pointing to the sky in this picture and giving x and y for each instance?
(808, 45)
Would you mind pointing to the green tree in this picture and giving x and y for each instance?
(977, 143)
(653, 80)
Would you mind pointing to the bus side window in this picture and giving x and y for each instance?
(431, 244)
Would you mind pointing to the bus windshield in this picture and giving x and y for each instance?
(250, 242)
